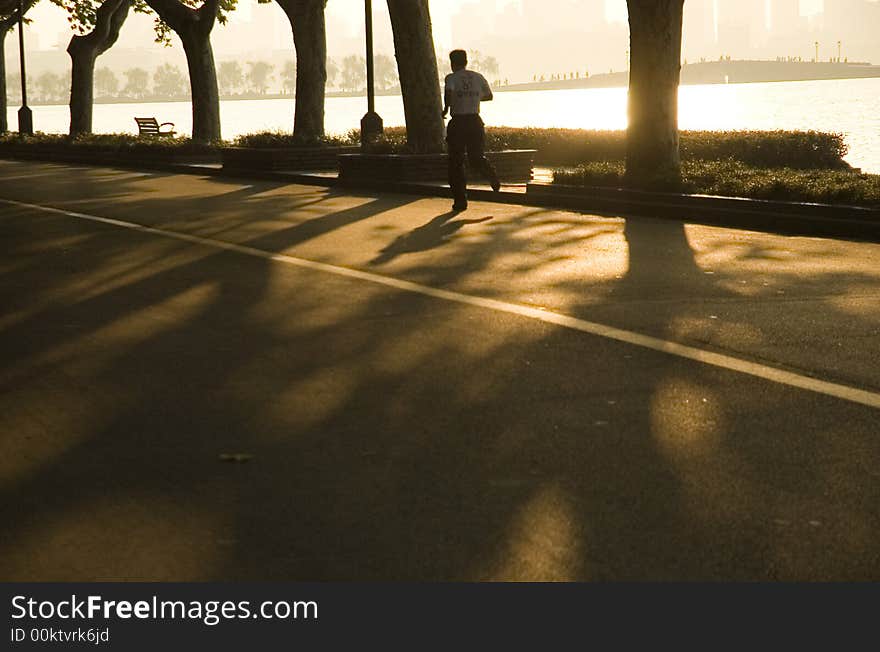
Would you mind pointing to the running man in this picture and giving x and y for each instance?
(464, 91)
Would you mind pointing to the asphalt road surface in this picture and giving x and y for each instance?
(205, 379)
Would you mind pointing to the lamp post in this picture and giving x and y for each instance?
(839, 48)
(817, 51)
(371, 123)
(25, 117)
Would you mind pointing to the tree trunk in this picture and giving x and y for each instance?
(84, 51)
(652, 152)
(82, 81)
(203, 84)
(417, 66)
(4, 124)
(194, 26)
(310, 40)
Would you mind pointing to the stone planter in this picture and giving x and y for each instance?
(512, 166)
(283, 158)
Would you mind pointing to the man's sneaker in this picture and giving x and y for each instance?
(496, 185)
(459, 206)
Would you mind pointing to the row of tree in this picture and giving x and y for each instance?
(47, 87)
(167, 81)
(233, 79)
(655, 36)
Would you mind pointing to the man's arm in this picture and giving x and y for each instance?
(447, 97)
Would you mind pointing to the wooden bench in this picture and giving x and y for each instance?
(150, 127)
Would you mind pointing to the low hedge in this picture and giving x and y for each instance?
(733, 178)
(107, 142)
(556, 147)
(393, 141)
(794, 149)
(277, 139)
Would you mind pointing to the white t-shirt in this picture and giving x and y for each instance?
(465, 89)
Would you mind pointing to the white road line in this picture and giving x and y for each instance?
(773, 374)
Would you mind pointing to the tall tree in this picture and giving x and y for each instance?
(106, 82)
(168, 81)
(51, 87)
(8, 20)
(385, 71)
(354, 74)
(652, 151)
(230, 77)
(259, 74)
(14, 87)
(105, 18)
(417, 67)
(310, 40)
(193, 21)
(137, 81)
(332, 72)
(288, 77)
(489, 67)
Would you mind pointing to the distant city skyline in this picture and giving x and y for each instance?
(50, 22)
(528, 38)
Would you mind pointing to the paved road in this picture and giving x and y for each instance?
(416, 395)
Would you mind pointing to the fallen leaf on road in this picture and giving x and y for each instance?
(780, 521)
(236, 458)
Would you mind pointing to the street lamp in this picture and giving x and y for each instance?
(839, 46)
(817, 51)
(25, 117)
(371, 123)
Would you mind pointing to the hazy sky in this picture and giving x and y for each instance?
(442, 10)
(50, 21)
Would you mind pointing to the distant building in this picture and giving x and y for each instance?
(473, 24)
(541, 37)
(785, 18)
(856, 24)
(741, 27)
(789, 34)
(699, 39)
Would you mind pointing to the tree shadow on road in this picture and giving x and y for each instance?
(394, 436)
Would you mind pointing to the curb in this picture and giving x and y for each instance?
(788, 218)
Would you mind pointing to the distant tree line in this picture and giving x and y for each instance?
(234, 79)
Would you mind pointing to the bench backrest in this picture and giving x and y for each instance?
(147, 126)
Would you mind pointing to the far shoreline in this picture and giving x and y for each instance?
(697, 74)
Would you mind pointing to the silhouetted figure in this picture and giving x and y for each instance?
(465, 89)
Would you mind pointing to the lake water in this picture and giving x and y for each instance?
(850, 106)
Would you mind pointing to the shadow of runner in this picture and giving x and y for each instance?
(428, 236)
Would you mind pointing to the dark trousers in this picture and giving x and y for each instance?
(466, 135)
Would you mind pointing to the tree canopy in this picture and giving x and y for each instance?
(9, 13)
(82, 14)
(174, 8)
